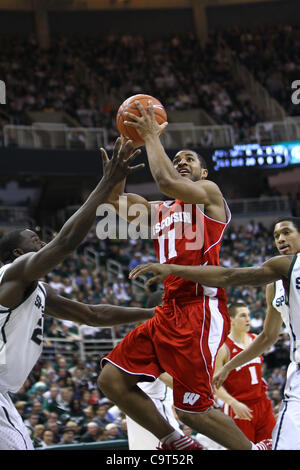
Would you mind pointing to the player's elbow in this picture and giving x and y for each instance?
(164, 182)
(66, 245)
(269, 338)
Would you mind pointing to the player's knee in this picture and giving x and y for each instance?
(105, 379)
(108, 380)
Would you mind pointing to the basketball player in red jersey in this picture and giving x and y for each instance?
(193, 322)
(244, 390)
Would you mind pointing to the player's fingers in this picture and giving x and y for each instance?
(135, 168)
(133, 156)
(152, 280)
(117, 146)
(163, 126)
(132, 124)
(124, 139)
(126, 149)
(141, 109)
(135, 117)
(104, 155)
(135, 271)
(151, 109)
(217, 381)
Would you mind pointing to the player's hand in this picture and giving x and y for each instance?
(146, 124)
(241, 411)
(118, 167)
(160, 271)
(125, 139)
(220, 377)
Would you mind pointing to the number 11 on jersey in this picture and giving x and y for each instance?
(172, 253)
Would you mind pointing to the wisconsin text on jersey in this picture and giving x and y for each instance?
(183, 216)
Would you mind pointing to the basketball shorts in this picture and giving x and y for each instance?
(13, 432)
(262, 423)
(183, 340)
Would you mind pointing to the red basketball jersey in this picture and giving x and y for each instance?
(183, 234)
(246, 382)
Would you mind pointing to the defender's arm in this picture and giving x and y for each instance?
(93, 315)
(269, 336)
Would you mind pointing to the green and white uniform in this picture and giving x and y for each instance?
(21, 343)
(286, 434)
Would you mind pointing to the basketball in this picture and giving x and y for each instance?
(129, 106)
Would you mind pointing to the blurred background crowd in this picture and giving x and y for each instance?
(177, 69)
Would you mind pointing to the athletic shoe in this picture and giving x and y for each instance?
(266, 444)
(183, 443)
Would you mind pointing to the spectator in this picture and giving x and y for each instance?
(68, 436)
(47, 438)
(92, 433)
(113, 432)
(101, 418)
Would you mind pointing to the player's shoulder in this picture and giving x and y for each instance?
(208, 185)
(224, 350)
(213, 193)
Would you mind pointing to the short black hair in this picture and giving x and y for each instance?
(202, 161)
(289, 218)
(200, 157)
(9, 242)
(232, 308)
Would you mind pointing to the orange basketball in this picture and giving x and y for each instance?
(129, 106)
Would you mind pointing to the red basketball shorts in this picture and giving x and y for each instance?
(262, 423)
(183, 340)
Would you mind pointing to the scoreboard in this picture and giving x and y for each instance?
(276, 155)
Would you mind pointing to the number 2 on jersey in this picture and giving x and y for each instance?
(172, 253)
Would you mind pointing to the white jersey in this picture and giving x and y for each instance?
(280, 302)
(294, 308)
(21, 337)
(286, 433)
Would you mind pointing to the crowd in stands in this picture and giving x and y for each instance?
(60, 401)
(89, 77)
(272, 54)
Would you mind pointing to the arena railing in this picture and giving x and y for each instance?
(257, 206)
(80, 346)
(117, 444)
(287, 130)
(15, 216)
(48, 135)
(185, 134)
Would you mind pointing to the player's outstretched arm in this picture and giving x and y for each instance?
(216, 276)
(33, 266)
(269, 336)
(93, 315)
